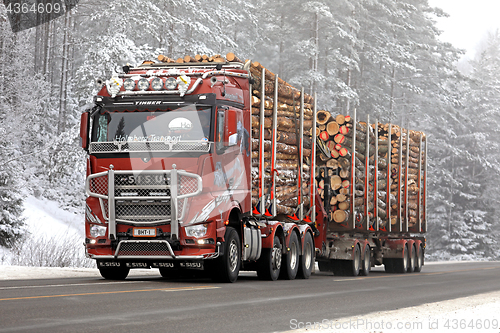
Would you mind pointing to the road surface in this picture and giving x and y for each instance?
(152, 304)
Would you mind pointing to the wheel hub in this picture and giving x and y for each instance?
(233, 256)
(276, 262)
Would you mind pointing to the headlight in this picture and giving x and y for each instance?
(157, 84)
(197, 231)
(143, 84)
(171, 83)
(97, 231)
(129, 84)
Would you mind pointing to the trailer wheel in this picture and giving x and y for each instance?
(353, 266)
(269, 264)
(290, 261)
(307, 258)
(413, 260)
(401, 264)
(114, 273)
(367, 265)
(420, 259)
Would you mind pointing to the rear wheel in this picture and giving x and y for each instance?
(269, 264)
(413, 260)
(420, 259)
(290, 260)
(306, 263)
(352, 267)
(401, 264)
(114, 273)
(366, 264)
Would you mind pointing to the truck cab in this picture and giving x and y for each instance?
(168, 167)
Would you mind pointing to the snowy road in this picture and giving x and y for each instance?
(144, 302)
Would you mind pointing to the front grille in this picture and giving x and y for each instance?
(143, 249)
(143, 211)
(145, 185)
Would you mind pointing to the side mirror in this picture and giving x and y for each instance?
(230, 128)
(84, 130)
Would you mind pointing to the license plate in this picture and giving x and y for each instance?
(144, 232)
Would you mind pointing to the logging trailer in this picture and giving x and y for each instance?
(217, 165)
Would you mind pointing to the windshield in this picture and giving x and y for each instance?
(187, 123)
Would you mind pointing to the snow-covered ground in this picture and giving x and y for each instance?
(46, 218)
(50, 229)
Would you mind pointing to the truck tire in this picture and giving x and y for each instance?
(353, 266)
(114, 273)
(306, 264)
(420, 259)
(413, 260)
(290, 261)
(401, 264)
(167, 273)
(230, 262)
(269, 264)
(366, 263)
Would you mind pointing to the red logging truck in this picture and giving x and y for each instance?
(184, 174)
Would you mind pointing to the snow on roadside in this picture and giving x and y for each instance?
(478, 313)
(46, 218)
(54, 235)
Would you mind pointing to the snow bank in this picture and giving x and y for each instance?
(54, 237)
(478, 313)
(46, 218)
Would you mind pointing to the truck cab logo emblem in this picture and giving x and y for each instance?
(147, 102)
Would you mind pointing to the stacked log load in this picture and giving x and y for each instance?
(410, 162)
(339, 183)
(287, 146)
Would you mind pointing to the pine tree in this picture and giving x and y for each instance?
(11, 203)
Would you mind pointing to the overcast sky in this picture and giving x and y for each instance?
(469, 21)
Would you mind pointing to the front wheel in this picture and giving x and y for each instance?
(306, 263)
(229, 263)
(114, 273)
(269, 264)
